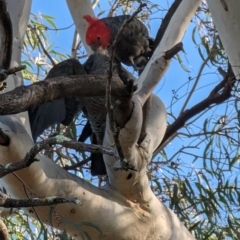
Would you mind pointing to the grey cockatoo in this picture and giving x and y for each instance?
(64, 110)
(94, 107)
(134, 45)
(60, 110)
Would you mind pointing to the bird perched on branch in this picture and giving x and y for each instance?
(94, 108)
(65, 110)
(60, 110)
(134, 46)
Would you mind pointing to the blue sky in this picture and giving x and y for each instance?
(63, 41)
(175, 77)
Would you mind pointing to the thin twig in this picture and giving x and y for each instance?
(113, 8)
(215, 97)
(197, 79)
(69, 143)
(75, 45)
(8, 202)
(4, 74)
(61, 140)
(34, 29)
(12, 167)
(12, 70)
(25, 187)
(79, 164)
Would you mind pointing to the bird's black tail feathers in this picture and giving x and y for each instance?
(97, 162)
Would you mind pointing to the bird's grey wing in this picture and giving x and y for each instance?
(134, 40)
(46, 115)
(58, 111)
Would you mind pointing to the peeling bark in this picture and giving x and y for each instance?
(21, 98)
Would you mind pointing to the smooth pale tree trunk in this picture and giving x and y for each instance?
(104, 209)
(82, 29)
(173, 35)
(19, 14)
(79, 8)
(226, 18)
(129, 211)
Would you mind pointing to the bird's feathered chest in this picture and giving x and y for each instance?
(94, 107)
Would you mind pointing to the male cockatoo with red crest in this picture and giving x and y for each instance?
(134, 44)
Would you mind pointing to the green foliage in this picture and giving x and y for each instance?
(39, 54)
(197, 174)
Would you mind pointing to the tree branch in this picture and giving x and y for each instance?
(21, 98)
(133, 184)
(6, 34)
(225, 15)
(152, 73)
(214, 98)
(165, 22)
(127, 105)
(69, 143)
(34, 29)
(61, 140)
(98, 206)
(79, 8)
(19, 14)
(8, 202)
